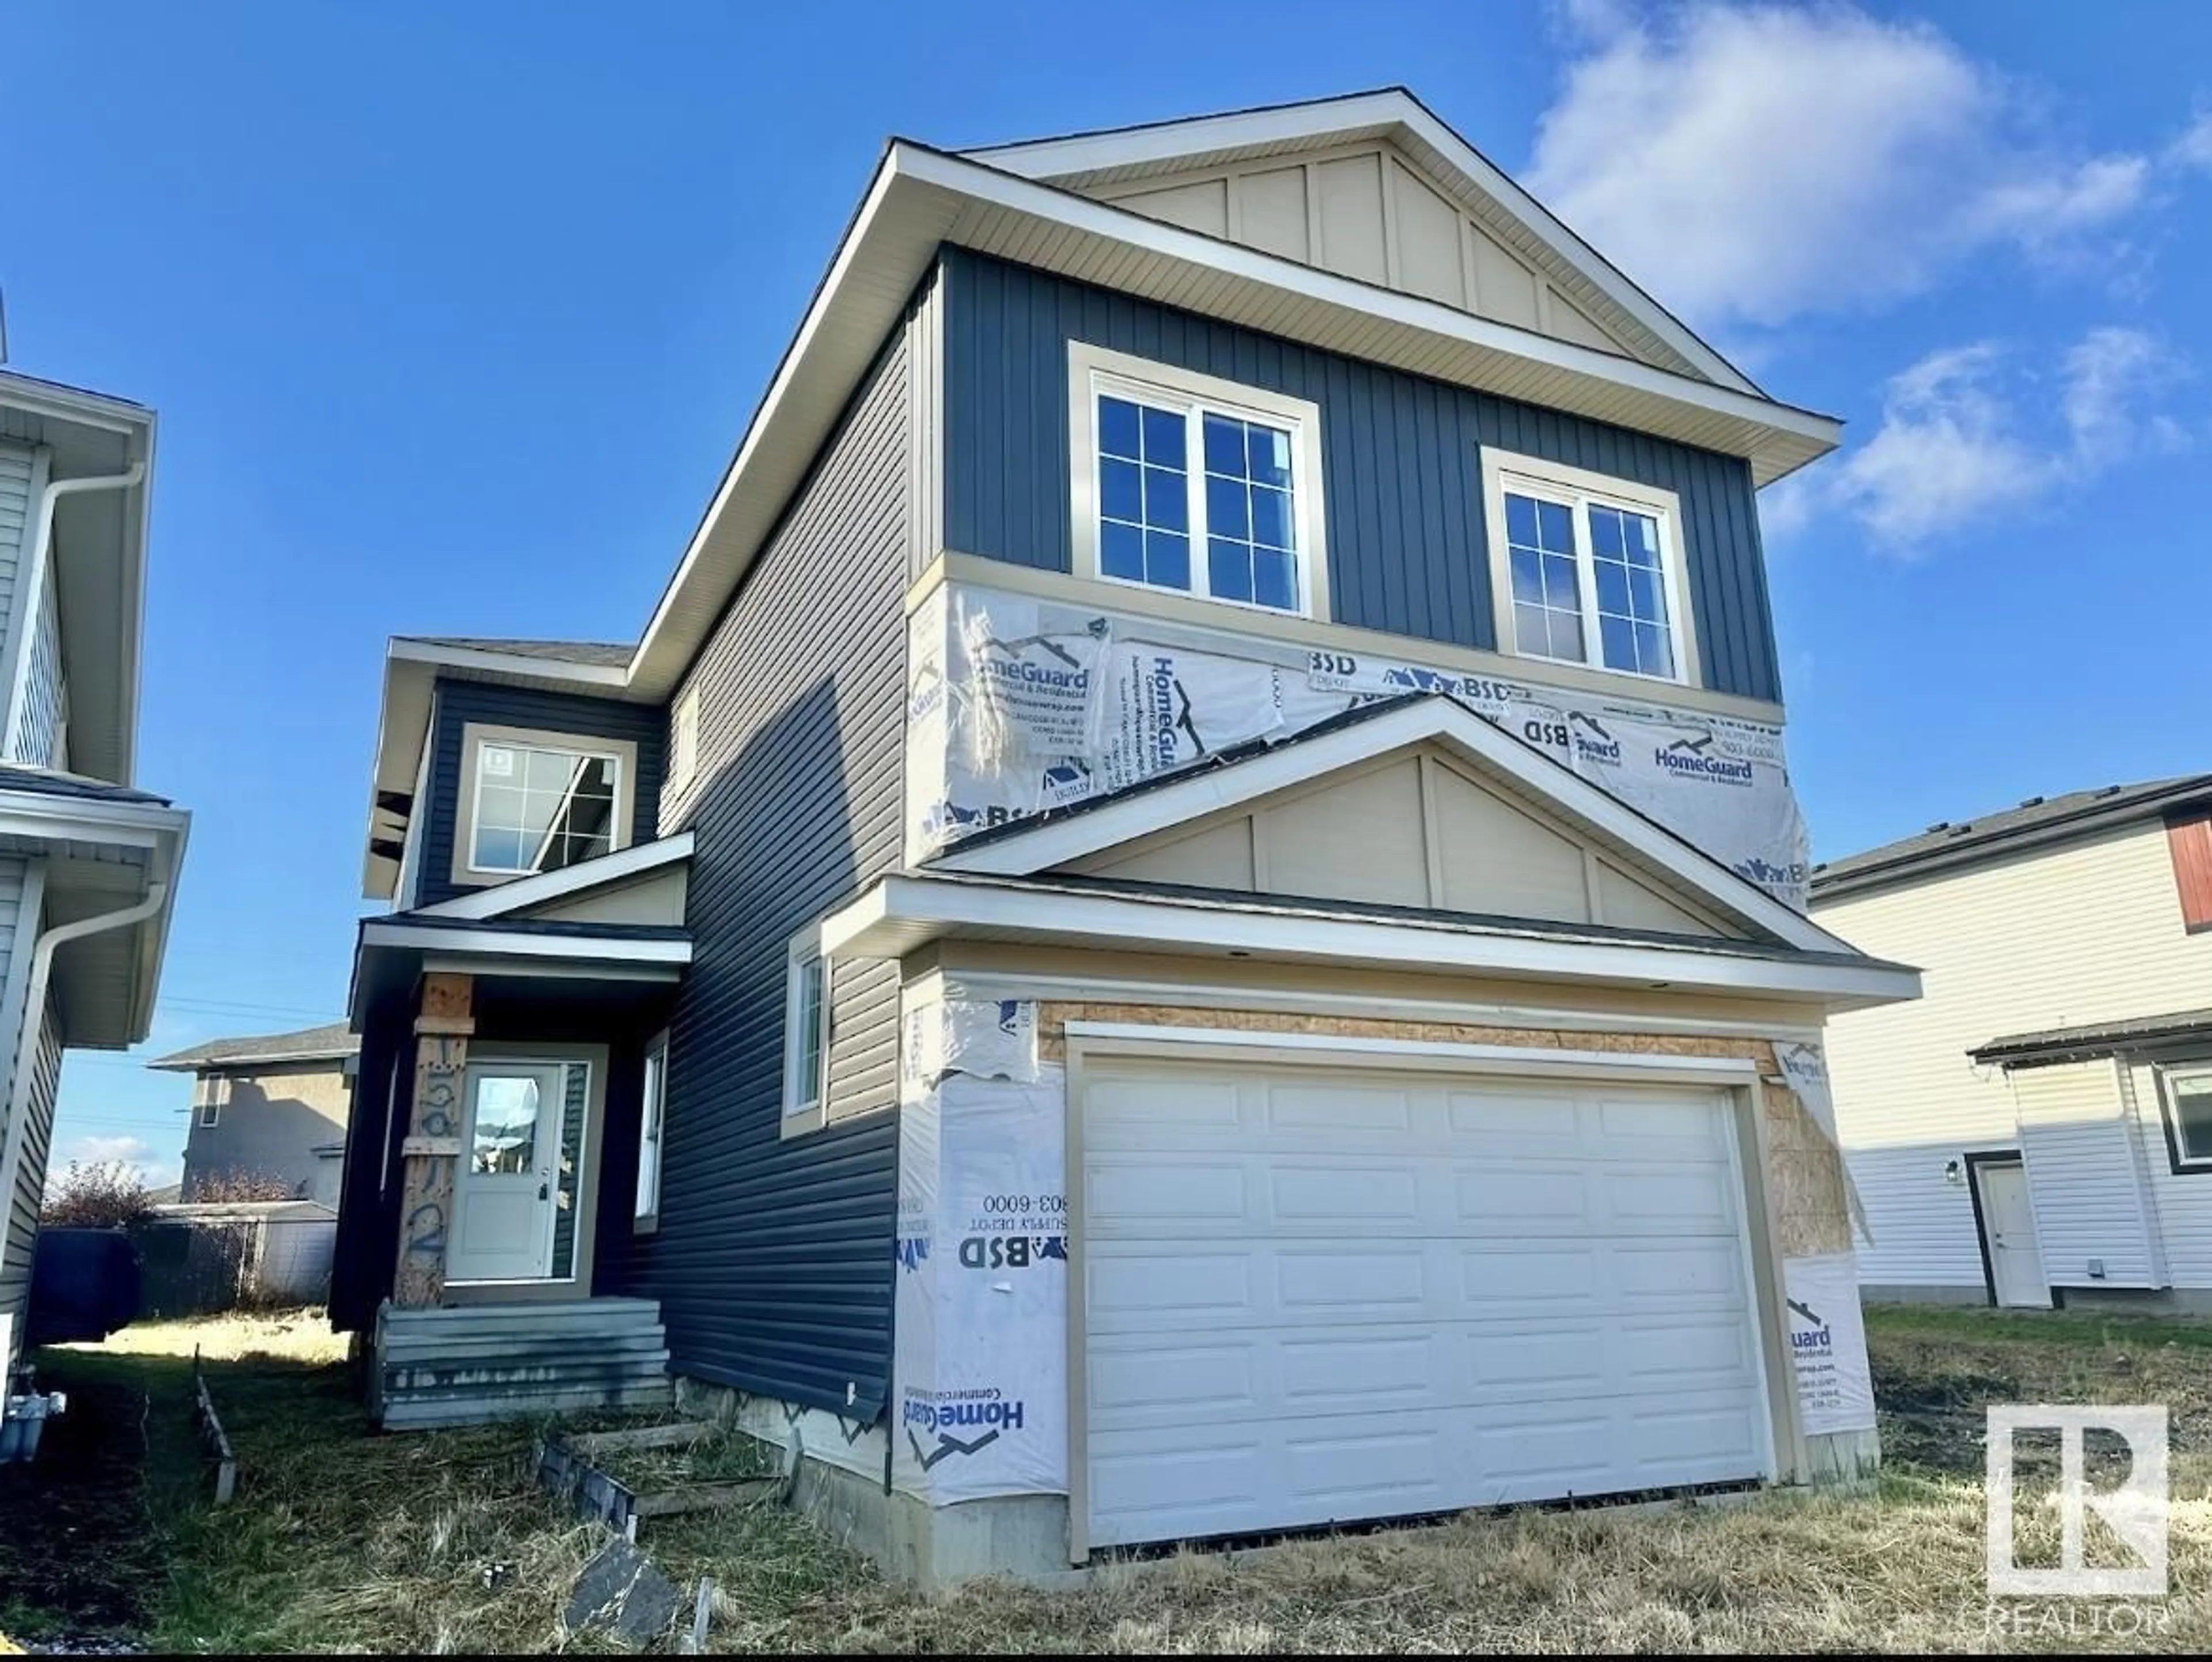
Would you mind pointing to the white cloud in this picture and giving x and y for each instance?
(1750, 164)
(2193, 148)
(156, 1170)
(1958, 439)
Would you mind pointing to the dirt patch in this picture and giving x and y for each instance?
(80, 1559)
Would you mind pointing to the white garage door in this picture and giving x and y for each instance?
(1319, 1295)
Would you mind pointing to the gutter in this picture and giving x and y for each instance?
(32, 597)
(27, 1038)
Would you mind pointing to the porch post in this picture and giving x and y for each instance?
(434, 1127)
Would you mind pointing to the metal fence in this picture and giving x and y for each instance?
(203, 1260)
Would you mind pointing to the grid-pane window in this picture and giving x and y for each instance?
(539, 808)
(1144, 494)
(1589, 580)
(1251, 547)
(1200, 498)
(1547, 593)
(1632, 591)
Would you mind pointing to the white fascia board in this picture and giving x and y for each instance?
(502, 898)
(1078, 213)
(88, 819)
(493, 941)
(1297, 125)
(901, 912)
(1439, 720)
(54, 402)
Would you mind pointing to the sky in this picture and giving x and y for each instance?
(453, 315)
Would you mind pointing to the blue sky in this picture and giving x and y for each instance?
(453, 314)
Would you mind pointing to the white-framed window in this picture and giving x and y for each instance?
(1184, 483)
(1587, 570)
(805, 1029)
(652, 1113)
(533, 802)
(211, 1114)
(683, 739)
(2187, 1098)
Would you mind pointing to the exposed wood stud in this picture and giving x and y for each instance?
(432, 1150)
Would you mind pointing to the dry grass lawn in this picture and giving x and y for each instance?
(438, 1542)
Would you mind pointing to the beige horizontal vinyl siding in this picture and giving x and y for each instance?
(2092, 1204)
(2086, 931)
(16, 479)
(2181, 1202)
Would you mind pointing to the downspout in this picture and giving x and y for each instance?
(27, 1039)
(32, 597)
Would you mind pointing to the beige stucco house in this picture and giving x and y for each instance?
(271, 1106)
(2038, 1127)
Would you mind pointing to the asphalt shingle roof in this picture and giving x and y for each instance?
(2035, 814)
(562, 652)
(334, 1039)
(46, 782)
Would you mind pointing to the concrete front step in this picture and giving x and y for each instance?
(415, 1378)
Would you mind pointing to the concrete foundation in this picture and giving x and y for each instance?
(1945, 1295)
(2137, 1300)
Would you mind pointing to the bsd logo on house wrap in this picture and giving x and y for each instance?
(1011, 1251)
(1693, 759)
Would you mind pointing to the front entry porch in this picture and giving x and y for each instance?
(507, 1048)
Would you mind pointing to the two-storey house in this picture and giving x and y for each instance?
(2038, 1128)
(1187, 919)
(267, 1111)
(89, 863)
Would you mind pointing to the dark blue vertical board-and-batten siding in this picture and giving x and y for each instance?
(459, 703)
(1400, 458)
(772, 1261)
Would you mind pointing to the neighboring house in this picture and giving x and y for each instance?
(273, 1106)
(88, 863)
(1206, 800)
(2040, 1125)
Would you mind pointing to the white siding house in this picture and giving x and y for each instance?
(88, 861)
(2067, 973)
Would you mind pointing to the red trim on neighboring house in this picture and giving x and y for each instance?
(2189, 840)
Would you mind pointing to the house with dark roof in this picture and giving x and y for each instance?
(269, 1109)
(1188, 918)
(2037, 1130)
(89, 861)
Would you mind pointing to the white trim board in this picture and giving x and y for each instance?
(1205, 790)
(536, 890)
(901, 913)
(520, 944)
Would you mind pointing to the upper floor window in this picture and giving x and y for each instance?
(539, 801)
(1586, 569)
(1192, 485)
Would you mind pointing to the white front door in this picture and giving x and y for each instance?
(2009, 1226)
(504, 1193)
(1323, 1293)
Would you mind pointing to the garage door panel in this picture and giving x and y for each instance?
(1141, 1195)
(1154, 1284)
(1364, 1294)
(1163, 1385)
(1351, 1109)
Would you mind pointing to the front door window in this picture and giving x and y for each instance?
(515, 1177)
